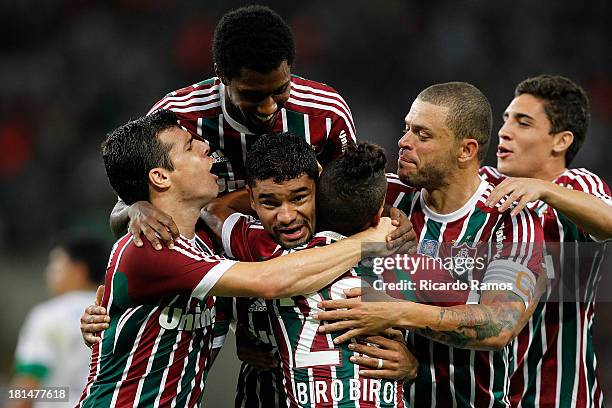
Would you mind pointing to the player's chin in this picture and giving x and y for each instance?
(261, 126)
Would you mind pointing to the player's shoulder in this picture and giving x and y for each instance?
(316, 98)
(398, 191)
(311, 86)
(491, 174)
(394, 179)
(243, 221)
(198, 96)
(584, 180)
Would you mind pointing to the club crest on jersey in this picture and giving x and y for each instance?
(463, 256)
(429, 247)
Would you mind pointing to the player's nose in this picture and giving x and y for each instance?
(286, 214)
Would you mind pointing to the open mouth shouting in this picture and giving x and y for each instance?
(292, 233)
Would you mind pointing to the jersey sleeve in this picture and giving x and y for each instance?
(341, 135)
(583, 180)
(234, 236)
(35, 354)
(152, 274)
(517, 254)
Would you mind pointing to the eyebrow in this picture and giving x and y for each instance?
(518, 115)
(293, 192)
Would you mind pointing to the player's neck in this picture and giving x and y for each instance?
(184, 213)
(550, 170)
(457, 191)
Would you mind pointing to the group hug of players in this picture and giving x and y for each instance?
(280, 257)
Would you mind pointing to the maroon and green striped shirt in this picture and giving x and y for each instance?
(452, 376)
(556, 362)
(156, 350)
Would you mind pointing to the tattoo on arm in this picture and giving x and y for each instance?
(476, 326)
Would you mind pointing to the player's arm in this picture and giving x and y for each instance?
(143, 217)
(592, 214)
(218, 210)
(489, 325)
(302, 271)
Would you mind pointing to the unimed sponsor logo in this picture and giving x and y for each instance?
(176, 318)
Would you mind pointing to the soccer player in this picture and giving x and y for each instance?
(281, 174)
(544, 127)
(161, 303)
(463, 351)
(48, 352)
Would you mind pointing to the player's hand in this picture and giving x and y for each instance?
(375, 237)
(404, 236)
(94, 320)
(519, 189)
(153, 223)
(355, 316)
(385, 356)
(261, 357)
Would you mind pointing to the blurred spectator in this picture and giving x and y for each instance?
(50, 350)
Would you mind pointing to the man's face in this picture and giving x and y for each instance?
(524, 138)
(427, 148)
(191, 177)
(258, 98)
(287, 209)
(60, 271)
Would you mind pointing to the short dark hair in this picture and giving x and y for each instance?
(132, 150)
(281, 157)
(566, 105)
(469, 111)
(352, 188)
(253, 37)
(86, 248)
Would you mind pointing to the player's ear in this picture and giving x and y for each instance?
(467, 151)
(251, 198)
(562, 141)
(219, 74)
(159, 178)
(376, 218)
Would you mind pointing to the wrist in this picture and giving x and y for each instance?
(547, 191)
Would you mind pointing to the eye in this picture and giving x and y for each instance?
(299, 199)
(269, 204)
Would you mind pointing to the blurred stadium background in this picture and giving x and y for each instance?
(72, 70)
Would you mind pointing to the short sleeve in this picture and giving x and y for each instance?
(35, 355)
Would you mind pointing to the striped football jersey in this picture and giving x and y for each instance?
(156, 350)
(451, 376)
(314, 110)
(316, 372)
(556, 362)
